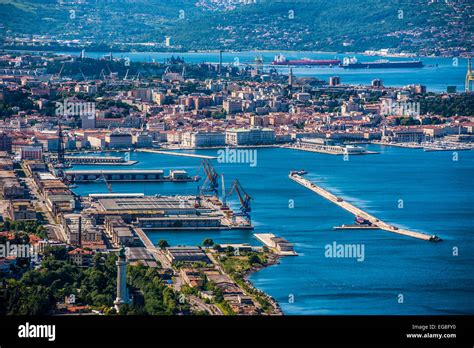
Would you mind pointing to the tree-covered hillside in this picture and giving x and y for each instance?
(423, 26)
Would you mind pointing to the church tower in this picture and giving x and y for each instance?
(290, 78)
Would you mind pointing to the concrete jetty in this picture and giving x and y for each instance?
(278, 245)
(359, 212)
(171, 153)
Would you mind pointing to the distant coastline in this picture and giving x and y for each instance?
(176, 51)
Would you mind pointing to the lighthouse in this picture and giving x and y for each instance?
(122, 293)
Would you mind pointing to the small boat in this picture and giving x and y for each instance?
(298, 172)
(361, 221)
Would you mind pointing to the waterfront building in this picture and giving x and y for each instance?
(325, 146)
(253, 136)
(173, 137)
(203, 139)
(142, 139)
(116, 140)
(408, 135)
(96, 141)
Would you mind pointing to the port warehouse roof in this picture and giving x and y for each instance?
(186, 253)
(90, 157)
(134, 171)
(145, 203)
(93, 157)
(181, 217)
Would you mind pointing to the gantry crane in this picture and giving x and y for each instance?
(211, 183)
(244, 199)
(109, 185)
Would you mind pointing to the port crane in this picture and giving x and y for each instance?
(109, 185)
(58, 75)
(211, 183)
(244, 199)
(224, 196)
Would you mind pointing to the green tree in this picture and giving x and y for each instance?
(208, 242)
(254, 259)
(163, 244)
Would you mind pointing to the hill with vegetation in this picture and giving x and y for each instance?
(419, 26)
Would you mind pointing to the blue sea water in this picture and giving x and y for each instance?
(437, 74)
(437, 197)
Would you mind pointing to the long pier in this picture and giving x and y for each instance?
(359, 212)
(170, 153)
(126, 175)
(158, 254)
(102, 160)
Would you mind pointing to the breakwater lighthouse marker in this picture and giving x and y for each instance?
(122, 293)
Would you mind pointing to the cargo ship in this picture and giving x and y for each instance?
(353, 63)
(281, 60)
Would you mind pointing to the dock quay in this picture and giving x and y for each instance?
(170, 153)
(102, 160)
(406, 145)
(144, 239)
(356, 227)
(157, 253)
(278, 245)
(165, 212)
(85, 176)
(357, 211)
(311, 145)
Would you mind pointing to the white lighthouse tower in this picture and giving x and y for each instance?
(122, 293)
